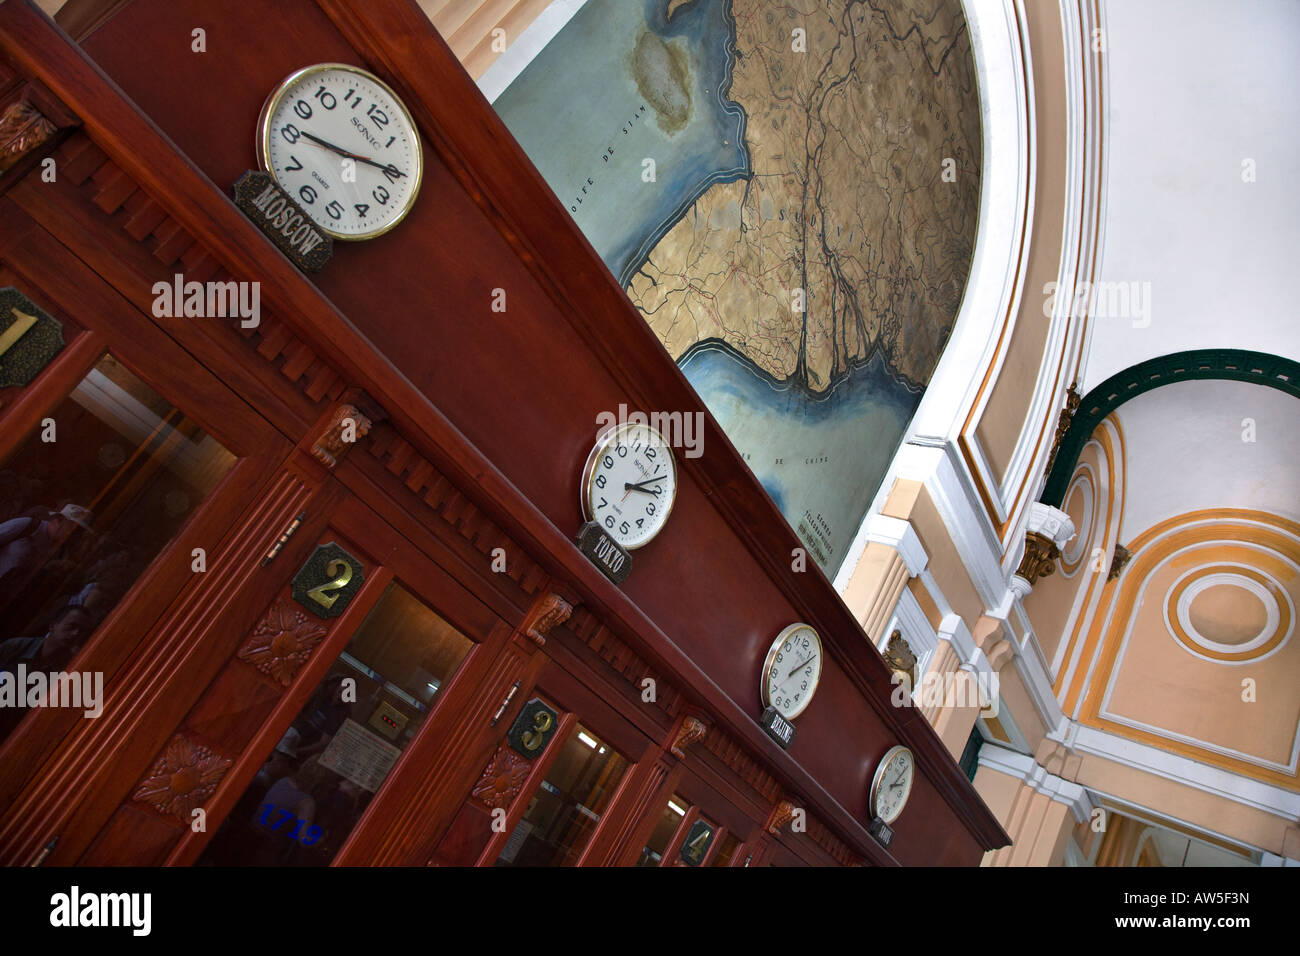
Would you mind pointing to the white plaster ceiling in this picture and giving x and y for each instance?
(1193, 88)
(1185, 450)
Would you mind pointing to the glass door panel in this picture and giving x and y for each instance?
(567, 806)
(341, 747)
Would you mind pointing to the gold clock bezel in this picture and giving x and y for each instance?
(770, 661)
(588, 483)
(263, 140)
(873, 799)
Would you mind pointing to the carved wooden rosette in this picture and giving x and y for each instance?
(502, 779)
(691, 729)
(1040, 557)
(780, 816)
(1063, 421)
(1118, 560)
(282, 642)
(22, 129)
(546, 614)
(183, 776)
(346, 427)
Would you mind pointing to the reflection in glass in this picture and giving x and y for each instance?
(566, 808)
(669, 820)
(327, 767)
(726, 851)
(85, 504)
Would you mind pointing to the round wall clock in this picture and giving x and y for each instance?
(340, 142)
(892, 784)
(629, 484)
(792, 670)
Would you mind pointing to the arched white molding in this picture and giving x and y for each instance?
(1006, 187)
(942, 449)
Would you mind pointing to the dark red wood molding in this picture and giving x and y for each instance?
(458, 121)
(399, 40)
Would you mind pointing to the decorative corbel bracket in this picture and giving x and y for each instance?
(546, 614)
(691, 729)
(780, 817)
(350, 422)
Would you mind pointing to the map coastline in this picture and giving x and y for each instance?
(670, 22)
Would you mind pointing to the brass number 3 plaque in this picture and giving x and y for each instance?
(532, 729)
(328, 581)
(533, 739)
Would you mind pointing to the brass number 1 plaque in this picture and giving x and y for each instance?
(328, 581)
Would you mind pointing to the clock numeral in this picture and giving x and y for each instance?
(331, 209)
(379, 116)
(600, 481)
(296, 165)
(308, 195)
(607, 462)
(624, 528)
(640, 522)
(650, 453)
(622, 450)
(347, 98)
(290, 132)
(609, 521)
(390, 142)
(650, 508)
(326, 98)
(362, 208)
(382, 200)
(302, 109)
(393, 173)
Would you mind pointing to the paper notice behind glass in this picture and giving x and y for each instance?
(361, 756)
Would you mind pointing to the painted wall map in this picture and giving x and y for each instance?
(789, 193)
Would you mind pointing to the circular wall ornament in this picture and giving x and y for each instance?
(1229, 613)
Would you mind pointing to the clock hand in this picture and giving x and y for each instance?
(644, 481)
(359, 158)
(629, 486)
(800, 666)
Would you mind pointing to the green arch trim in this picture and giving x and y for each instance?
(1238, 365)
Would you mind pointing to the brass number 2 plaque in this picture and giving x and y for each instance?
(328, 581)
(326, 594)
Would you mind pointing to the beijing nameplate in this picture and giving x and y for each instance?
(777, 727)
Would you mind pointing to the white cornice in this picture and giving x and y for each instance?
(901, 536)
(1030, 772)
(1182, 770)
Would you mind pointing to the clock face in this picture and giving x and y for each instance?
(629, 484)
(892, 783)
(341, 143)
(792, 670)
